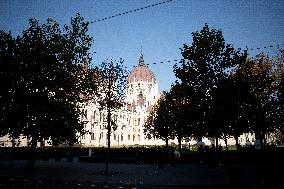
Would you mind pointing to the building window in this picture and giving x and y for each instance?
(121, 137)
(92, 136)
(104, 117)
(94, 115)
(139, 138)
(128, 137)
(133, 137)
(138, 121)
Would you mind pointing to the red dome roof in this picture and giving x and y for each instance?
(141, 72)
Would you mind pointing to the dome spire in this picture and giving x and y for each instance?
(141, 59)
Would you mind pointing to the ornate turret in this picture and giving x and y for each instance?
(141, 59)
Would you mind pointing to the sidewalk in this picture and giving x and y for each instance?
(139, 176)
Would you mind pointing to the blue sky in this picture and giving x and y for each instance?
(161, 30)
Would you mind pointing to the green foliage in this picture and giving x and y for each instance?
(261, 110)
(42, 80)
(112, 78)
(205, 65)
(160, 121)
(224, 92)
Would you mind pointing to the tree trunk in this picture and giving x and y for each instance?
(179, 144)
(108, 138)
(167, 143)
(217, 142)
(226, 143)
(237, 142)
(167, 150)
(32, 156)
(216, 151)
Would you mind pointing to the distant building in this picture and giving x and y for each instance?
(141, 95)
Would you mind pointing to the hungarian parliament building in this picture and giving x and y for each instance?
(141, 94)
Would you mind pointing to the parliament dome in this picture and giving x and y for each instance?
(141, 72)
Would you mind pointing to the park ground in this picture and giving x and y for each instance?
(75, 174)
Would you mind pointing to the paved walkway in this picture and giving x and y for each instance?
(64, 174)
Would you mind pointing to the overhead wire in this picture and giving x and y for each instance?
(160, 3)
(131, 11)
(248, 49)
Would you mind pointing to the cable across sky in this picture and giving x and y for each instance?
(118, 26)
(131, 11)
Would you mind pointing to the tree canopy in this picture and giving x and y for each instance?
(112, 79)
(42, 80)
(160, 121)
(205, 65)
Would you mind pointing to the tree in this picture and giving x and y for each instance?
(112, 79)
(231, 99)
(257, 75)
(46, 81)
(205, 63)
(182, 113)
(160, 121)
(278, 65)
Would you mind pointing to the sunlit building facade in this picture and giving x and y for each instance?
(141, 94)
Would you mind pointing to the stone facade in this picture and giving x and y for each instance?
(141, 94)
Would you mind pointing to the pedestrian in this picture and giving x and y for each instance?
(90, 152)
(177, 155)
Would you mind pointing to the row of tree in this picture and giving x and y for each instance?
(46, 79)
(220, 92)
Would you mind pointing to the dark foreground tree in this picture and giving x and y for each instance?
(182, 113)
(42, 81)
(204, 65)
(258, 74)
(160, 121)
(112, 79)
